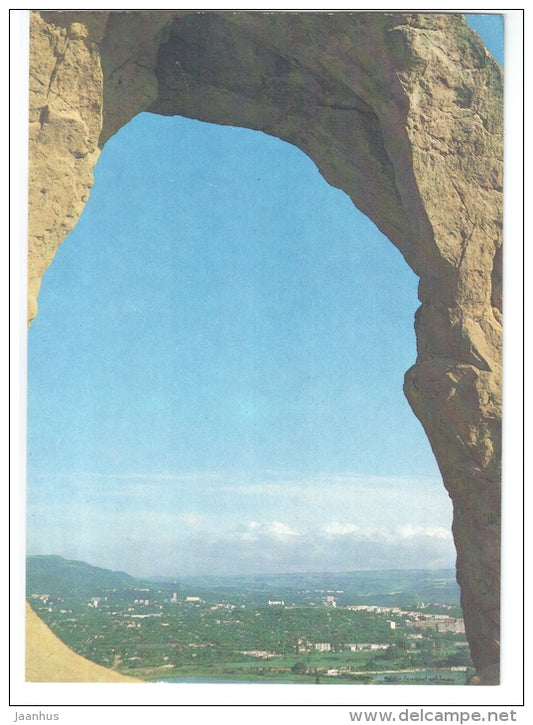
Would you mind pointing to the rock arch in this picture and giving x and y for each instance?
(402, 111)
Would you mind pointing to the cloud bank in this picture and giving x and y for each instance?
(159, 524)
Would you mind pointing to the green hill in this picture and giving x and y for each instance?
(54, 574)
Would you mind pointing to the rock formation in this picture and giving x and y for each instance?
(402, 111)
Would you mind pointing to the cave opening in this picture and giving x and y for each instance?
(225, 335)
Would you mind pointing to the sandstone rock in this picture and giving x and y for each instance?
(65, 121)
(403, 111)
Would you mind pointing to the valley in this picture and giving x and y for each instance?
(391, 627)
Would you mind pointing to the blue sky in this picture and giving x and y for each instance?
(215, 373)
(491, 29)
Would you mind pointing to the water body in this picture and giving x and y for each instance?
(224, 681)
(430, 677)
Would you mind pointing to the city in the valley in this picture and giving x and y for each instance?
(380, 627)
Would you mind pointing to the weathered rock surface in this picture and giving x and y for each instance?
(402, 111)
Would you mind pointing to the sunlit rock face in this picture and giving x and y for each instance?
(403, 112)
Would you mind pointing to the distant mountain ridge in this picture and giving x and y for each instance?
(48, 574)
(54, 575)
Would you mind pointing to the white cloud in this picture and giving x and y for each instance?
(273, 530)
(337, 529)
(432, 532)
(280, 531)
(389, 534)
(256, 547)
(251, 532)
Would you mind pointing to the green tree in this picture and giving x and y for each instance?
(299, 668)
